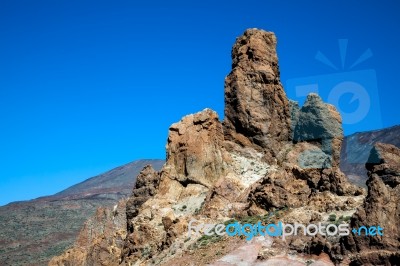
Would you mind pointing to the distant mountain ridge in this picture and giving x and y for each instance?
(356, 148)
(118, 180)
(34, 231)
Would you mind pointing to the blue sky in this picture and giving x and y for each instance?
(86, 86)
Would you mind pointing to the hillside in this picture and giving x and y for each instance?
(356, 148)
(34, 231)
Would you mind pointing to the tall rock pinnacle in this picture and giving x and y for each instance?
(256, 107)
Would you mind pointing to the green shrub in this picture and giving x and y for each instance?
(347, 218)
(332, 217)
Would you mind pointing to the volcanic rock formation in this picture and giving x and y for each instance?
(381, 208)
(194, 163)
(100, 241)
(268, 160)
(256, 107)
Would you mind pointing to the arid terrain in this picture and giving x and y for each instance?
(33, 231)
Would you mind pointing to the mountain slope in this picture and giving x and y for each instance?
(356, 148)
(118, 180)
(34, 231)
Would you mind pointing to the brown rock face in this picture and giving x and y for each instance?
(298, 187)
(256, 108)
(100, 241)
(194, 164)
(308, 166)
(384, 161)
(381, 208)
(280, 189)
(194, 149)
(146, 186)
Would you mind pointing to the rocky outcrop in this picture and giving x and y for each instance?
(100, 241)
(194, 153)
(194, 164)
(294, 109)
(381, 208)
(268, 154)
(297, 187)
(320, 123)
(259, 115)
(146, 186)
(256, 107)
(311, 164)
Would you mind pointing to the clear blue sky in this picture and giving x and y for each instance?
(86, 86)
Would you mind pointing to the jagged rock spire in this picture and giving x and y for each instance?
(256, 107)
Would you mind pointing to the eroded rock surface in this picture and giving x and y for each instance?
(146, 186)
(100, 241)
(194, 164)
(381, 208)
(256, 107)
(320, 123)
(194, 149)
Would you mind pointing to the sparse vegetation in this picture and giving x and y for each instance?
(41, 223)
(342, 219)
(145, 252)
(264, 219)
(204, 240)
(347, 218)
